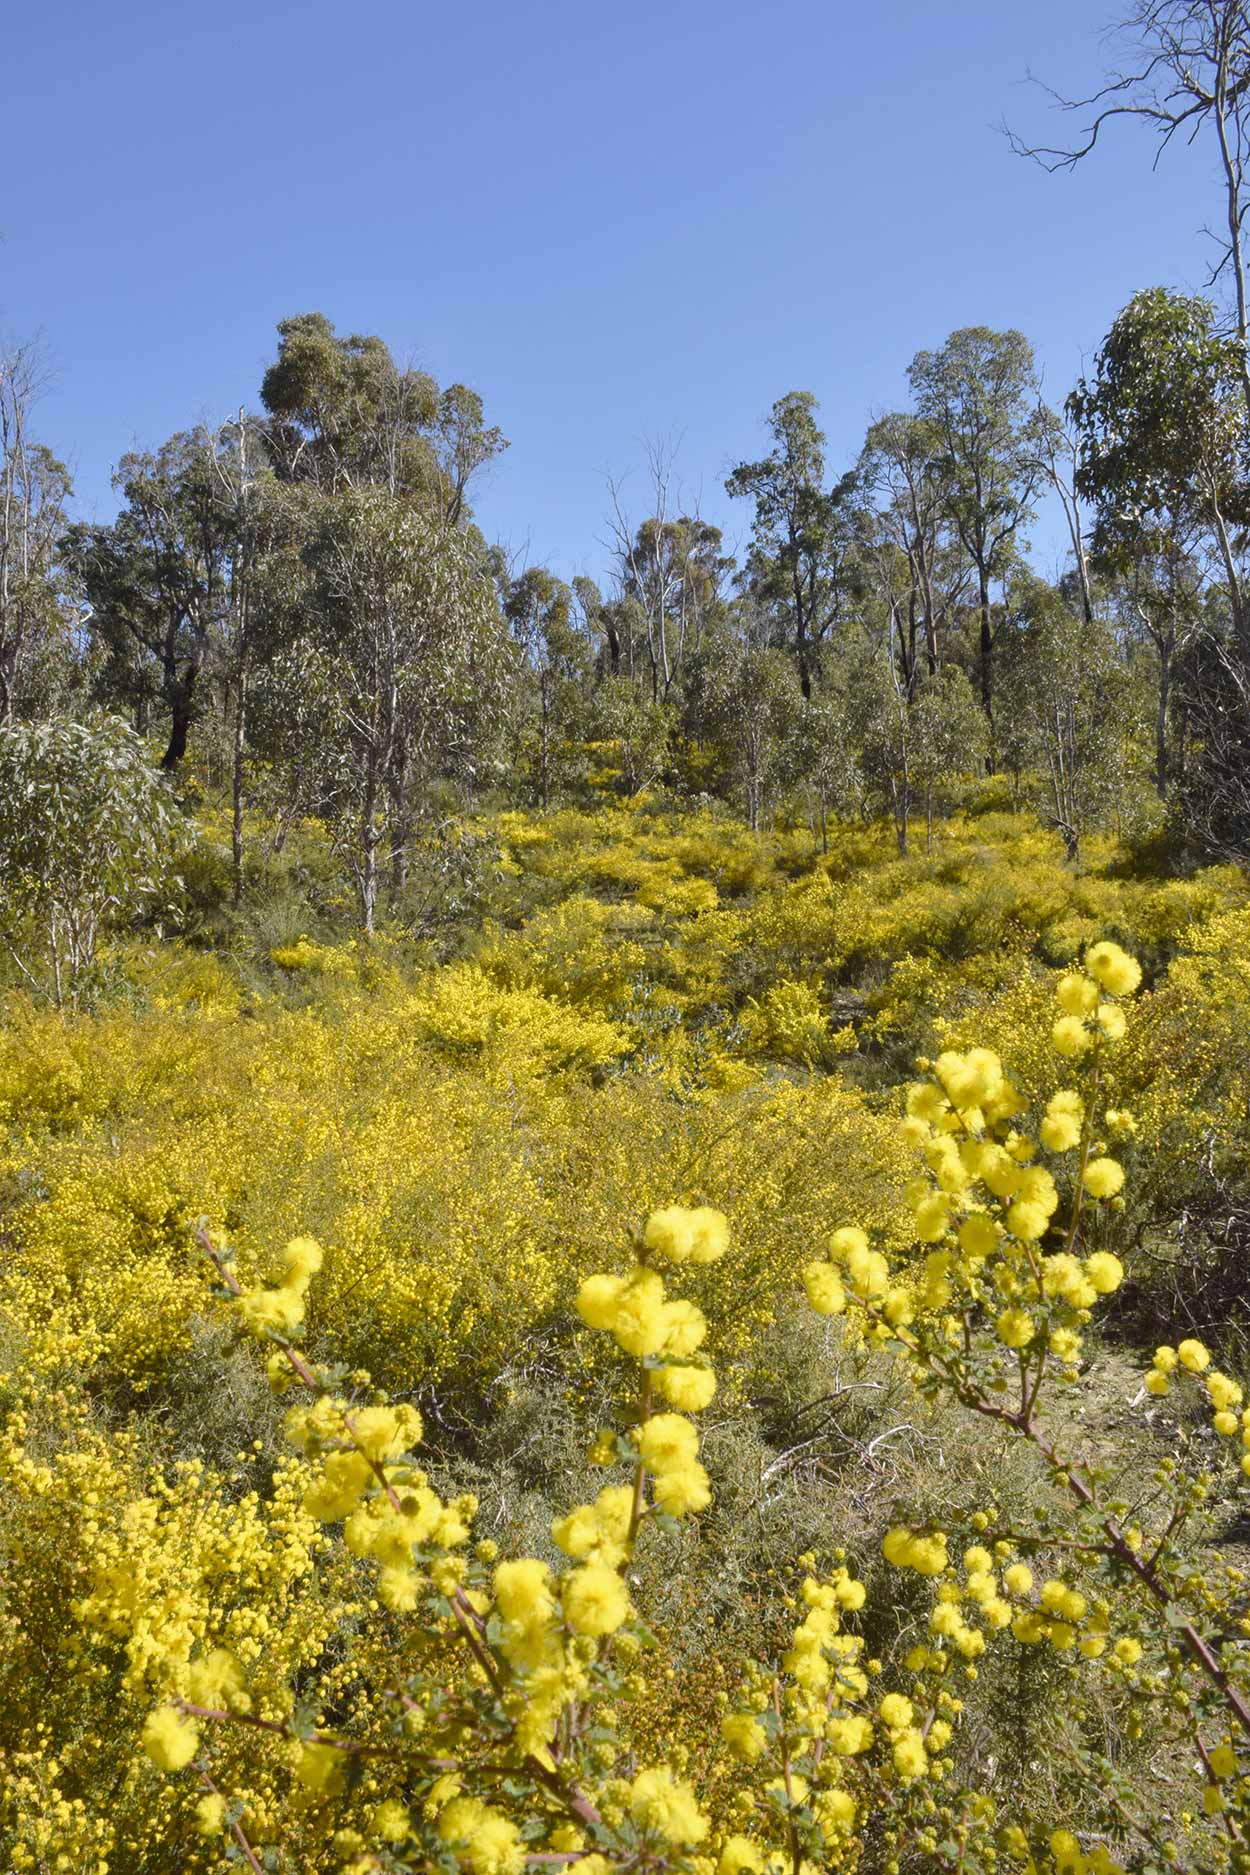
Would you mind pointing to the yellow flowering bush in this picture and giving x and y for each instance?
(271, 1597)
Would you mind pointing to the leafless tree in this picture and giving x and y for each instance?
(669, 566)
(1058, 455)
(1186, 75)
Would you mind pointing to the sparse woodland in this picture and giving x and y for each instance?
(625, 1206)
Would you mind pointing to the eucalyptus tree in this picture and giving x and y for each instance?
(1184, 76)
(756, 707)
(343, 414)
(406, 647)
(158, 580)
(670, 570)
(1163, 436)
(1058, 448)
(950, 736)
(799, 565)
(1072, 714)
(88, 840)
(555, 665)
(34, 490)
(907, 537)
(979, 391)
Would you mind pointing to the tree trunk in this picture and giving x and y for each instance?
(986, 659)
(1161, 721)
(236, 782)
(180, 724)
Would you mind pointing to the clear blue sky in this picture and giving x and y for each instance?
(615, 222)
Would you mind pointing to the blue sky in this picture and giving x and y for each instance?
(616, 223)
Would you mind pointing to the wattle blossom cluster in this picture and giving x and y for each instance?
(505, 1655)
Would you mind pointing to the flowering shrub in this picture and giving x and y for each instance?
(825, 1531)
(334, 1669)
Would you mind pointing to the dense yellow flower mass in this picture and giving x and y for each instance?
(249, 1597)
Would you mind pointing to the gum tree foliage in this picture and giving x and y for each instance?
(406, 649)
(638, 729)
(669, 571)
(343, 414)
(157, 581)
(1071, 714)
(798, 568)
(555, 660)
(1212, 784)
(756, 705)
(979, 391)
(827, 773)
(1185, 76)
(908, 546)
(88, 838)
(950, 733)
(34, 490)
(907, 746)
(1162, 438)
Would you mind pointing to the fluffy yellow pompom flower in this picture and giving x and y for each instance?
(658, 1803)
(1070, 1036)
(321, 1768)
(1060, 1132)
(170, 1740)
(744, 1735)
(1105, 1272)
(1113, 968)
(896, 1711)
(684, 1490)
(739, 1857)
(684, 1328)
(1127, 1650)
(1112, 1021)
(700, 1235)
(978, 1235)
(594, 1599)
(709, 1234)
(1015, 1328)
(689, 1389)
(1192, 1355)
(1028, 1220)
(824, 1289)
(303, 1258)
(1018, 1578)
(1165, 1359)
(210, 1814)
(391, 1821)
(641, 1322)
(906, 1550)
(911, 1760)
(667, 1442)
(1076, 995)
(523, 1590)
(597, 1300)
(384, 1432)
(264, 1309)
(1103, 1178)
(1157, 1383)
(486, 1842)
(1066, 1850)
(849, 1736)
(933, 1214)
(1223, 1392)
